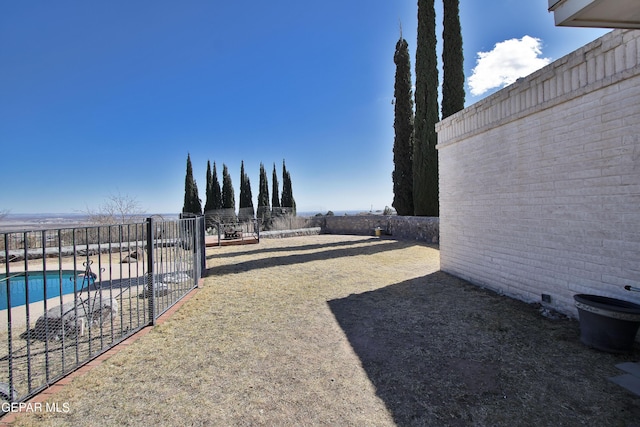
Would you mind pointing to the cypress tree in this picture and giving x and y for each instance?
(425, 156)
(192, 203)
(215, 190)
(188, 186)
(452, 60)
(213, 207)
(288, 202)
(228, 197)
(275, 195)
(249, 198)
(264, 209)
(242, 190)
(196, 202)
(208, 206)
(403, 125)
(246, 203)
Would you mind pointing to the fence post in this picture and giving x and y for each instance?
(7, 284)
(202, 246)
(150, 272)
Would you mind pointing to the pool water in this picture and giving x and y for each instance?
(17, 285)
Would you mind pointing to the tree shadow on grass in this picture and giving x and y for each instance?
(262, 249)
(334, 251)
(443, 352)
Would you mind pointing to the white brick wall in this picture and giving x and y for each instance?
(540, 182)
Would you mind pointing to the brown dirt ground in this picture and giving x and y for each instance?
(349, 330)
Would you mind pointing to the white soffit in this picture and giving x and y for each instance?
(596, 13)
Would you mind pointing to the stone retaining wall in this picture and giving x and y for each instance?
(277, 234)
(424, 229)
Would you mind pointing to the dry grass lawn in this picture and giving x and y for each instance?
(348, 330)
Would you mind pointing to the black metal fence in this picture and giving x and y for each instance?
(68, 295)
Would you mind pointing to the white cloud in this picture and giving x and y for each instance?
(508, 61)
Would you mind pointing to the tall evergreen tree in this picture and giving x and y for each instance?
(246, 211)
(275, 195)
(242, 188)
(228, 197)
(192, 203)
(216, 192)
(249, 197)
(264, 210)
(208, 206)
(425, 156)
(403, 125)
(452, 60)
(213, 207)
(288, 202)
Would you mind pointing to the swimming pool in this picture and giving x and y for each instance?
(36, 279)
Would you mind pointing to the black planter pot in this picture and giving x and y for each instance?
(607, 324)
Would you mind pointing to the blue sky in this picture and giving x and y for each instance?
(106, 98)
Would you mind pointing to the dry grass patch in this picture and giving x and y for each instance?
(346, 330)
